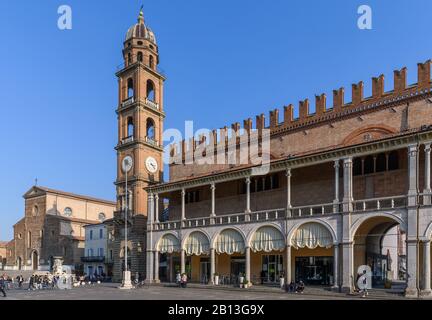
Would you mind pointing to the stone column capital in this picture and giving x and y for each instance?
(288, 172)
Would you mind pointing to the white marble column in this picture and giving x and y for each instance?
(156, 215)
(348, 185)
(156, 266)
(182, 261)
(336, 197)
(213, 200)
(336, 266)
(288, 192)
(412, 175)
(212, 264)
(248, 264)
(288, 264)
(183, 204)
(149, 249)
(426, 268)
(427, 175)
(248, 182)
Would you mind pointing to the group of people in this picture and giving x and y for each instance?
(296, 287)
(40, 282)
(181, 280)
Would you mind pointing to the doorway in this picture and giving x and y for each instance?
(314, 270)
(35, 260)
(205, 270)
(238, 266)
(272, 268)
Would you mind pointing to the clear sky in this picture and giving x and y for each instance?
(225, 61)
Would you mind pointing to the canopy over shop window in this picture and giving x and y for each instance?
(267, 239)
(312, 235)
(169, 244)
(197, 244)
(230, 241)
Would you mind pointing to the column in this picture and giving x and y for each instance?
(212, 264)
(336, 266)
(412, 289)
(426, 268)
(348, 187)
(156, 215)
(182, 261)
(156, 266)
(183, 204)
(347, 267)
(336, 198)
(427, 174)
(248, 265)
(149, 248)
(288, 191)
(288, 265)
(248, 182)
(213, 200)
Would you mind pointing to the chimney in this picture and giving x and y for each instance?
(274, 118)
(320, 104)
(247, 125)
(260, 122)
(288, 115)
(424, 75)
(304, 109)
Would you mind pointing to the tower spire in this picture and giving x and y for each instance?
(141, 15)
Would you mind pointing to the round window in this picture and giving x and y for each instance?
(67, 212)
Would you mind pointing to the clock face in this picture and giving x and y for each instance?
(151, 164)
(127, 163)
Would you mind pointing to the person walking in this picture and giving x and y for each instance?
(2, 285)
(178, 279)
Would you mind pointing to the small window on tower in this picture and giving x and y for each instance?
(130, 127)
(140, 56)
(151, 62)
(150, 90)
(130, 88)
(150, 129)
(140, 43)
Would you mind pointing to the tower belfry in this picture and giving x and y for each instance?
(140, 116)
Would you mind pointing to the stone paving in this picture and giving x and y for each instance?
(160, 292)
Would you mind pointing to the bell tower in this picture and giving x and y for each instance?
(140, 117)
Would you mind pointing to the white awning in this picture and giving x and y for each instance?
(230, 241)
(197, 244)
(169, 244)
(312, 235)
(267, 239)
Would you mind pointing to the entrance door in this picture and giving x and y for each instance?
(90, 271)
(35, 260)
(205, 270)
(272, 267)
(314, 270)
(238, 266)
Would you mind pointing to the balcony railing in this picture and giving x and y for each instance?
(380, 203)
(151, 104)
(366, 205)
(127, 140)
(128, 101)
(93, 259)
(152, 141)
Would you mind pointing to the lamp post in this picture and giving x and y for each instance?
(127, 164)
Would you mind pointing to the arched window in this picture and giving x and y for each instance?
(129, 60)
(368, 165)
(35, 211)
(130, 85)
(393, 161)
(150, 90)
(151, 62)
(130, 127)
(140, 56)
(381, 163)
(150, 129)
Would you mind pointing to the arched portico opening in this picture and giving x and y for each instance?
(379, 242)
(230, 251)
(169, 248)
(197, 250)
(267, 261)
(314, 256)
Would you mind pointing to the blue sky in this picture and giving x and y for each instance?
(225, 61)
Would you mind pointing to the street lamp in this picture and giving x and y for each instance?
(127, 164)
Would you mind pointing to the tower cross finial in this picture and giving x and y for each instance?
(141, 15)
(36, 181)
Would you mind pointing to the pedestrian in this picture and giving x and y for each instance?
(178, 279)
(20, 281)
(184, 280)
(2, 285)
(300, 287)
(31, 282)
(263, 274)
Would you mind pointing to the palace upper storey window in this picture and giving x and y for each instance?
(259, 184)
(376, 163)
(192, 196)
